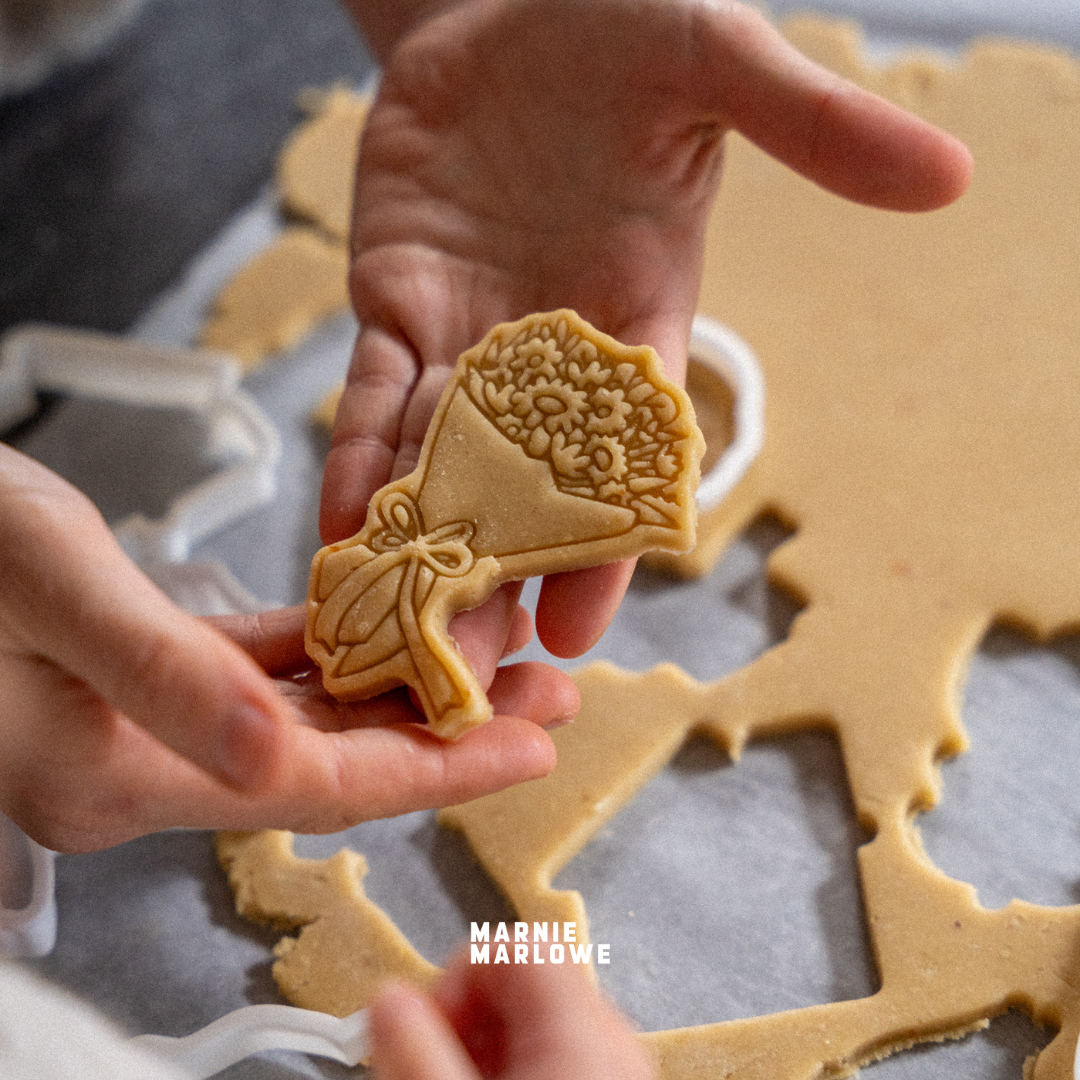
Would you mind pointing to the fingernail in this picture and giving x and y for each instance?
(561, 722)
(245, 742)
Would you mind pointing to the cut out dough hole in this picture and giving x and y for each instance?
(1008, 821)
(709, 626)
(714, 406)
(772, 606)
(995, 1053)
(425, 878)
(758, 912)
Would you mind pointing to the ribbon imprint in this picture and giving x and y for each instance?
(372, 619)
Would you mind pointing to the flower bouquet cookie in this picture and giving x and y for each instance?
(554, 447)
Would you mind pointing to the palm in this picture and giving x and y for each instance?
(511, 166)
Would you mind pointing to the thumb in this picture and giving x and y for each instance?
(842, 137)
(544, 1022)
(70, 595)
(412, 1040)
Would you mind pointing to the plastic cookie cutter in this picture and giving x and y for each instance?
(732, 359)
(27, 894)
(258, 1028)
(104, 367)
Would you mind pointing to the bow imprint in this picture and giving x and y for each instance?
(371, 621)
(445, 550)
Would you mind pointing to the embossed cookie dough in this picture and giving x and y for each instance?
(712, 398)
(923, 428)
(554, 447)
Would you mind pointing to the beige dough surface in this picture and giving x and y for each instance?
(325, 412)
(554, 447)
(278, 297)
(317, 167)
(273, 301)
(346, 945)
(923, 430)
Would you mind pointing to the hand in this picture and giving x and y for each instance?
(121, 714)
(524, 155)
(504, 1022)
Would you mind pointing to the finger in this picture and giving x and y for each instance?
(367, 430)
(418, 414)
(408, 298)
(464, 997)
(521, 631)
(80, 776)
(482, 634)
(549, 1020)
(340, 779)
(273, 639)
(536, 692)
(833, 132)
(575, 608)
(411, 1039)
(73, 597)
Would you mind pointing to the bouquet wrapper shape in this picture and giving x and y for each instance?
(554, 447)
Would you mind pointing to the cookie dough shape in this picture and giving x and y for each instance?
(273, 301)
(324, 414)
(923, 420)
(278, 297)
(554, 447)
(346, 946)
(317, 167)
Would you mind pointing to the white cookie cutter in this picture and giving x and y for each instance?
(26, 868)
(254, 1029)
(729, 356)
(104, 367)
